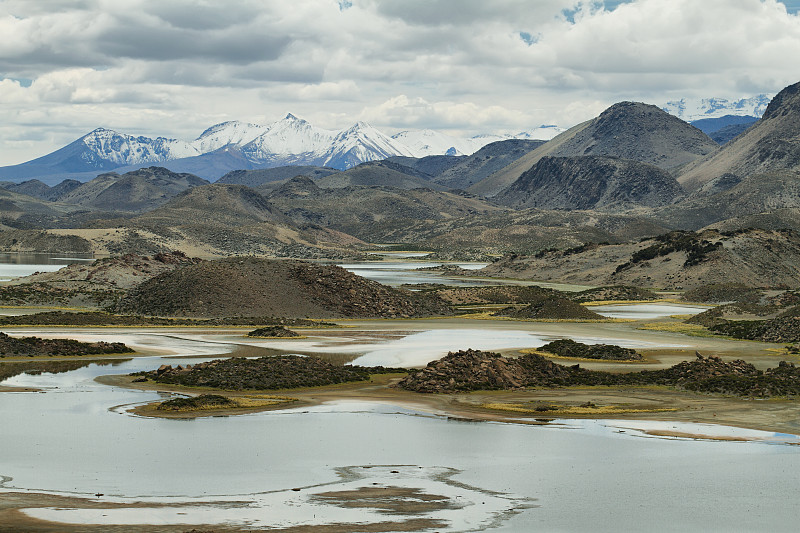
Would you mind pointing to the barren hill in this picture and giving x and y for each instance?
(256, 178)
(590, 182)
(629, 130)
(221, 203)
(771, 144)
(379, 173)
(495, 156)
(247, 286)
(370, 212)
(678, 260)
(136, 191)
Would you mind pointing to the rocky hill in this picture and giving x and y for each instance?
(247, 286)
(379, 173)
(372, 213)
(771, 144)
(730, 197)
(432, 165)
(628, 130)
(220, 203)
(590, 182)
(485, 162)
(468, 370)
(136, 191)
(112, 273)
(527, 231)
(256, 178)
(678, 260)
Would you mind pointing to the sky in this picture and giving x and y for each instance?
(173, 68)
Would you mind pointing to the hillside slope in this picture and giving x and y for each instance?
(628, 130)
(590, 182)
(247, 286)
(678, 260)
(771, 144)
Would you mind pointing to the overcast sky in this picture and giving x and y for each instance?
(175, 67)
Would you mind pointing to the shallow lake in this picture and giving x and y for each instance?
(16, 265)
(396, 273)
(576, 475)
(643, 311)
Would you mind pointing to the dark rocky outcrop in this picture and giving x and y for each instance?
(553, 307)
(273, 331)
(33, 346)
(579, 350)
(263, 373)
(469, 370)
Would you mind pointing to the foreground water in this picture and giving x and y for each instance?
(76, 438)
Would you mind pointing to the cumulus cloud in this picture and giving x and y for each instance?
(472, 66)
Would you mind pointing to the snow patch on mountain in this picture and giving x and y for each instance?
(694, 109)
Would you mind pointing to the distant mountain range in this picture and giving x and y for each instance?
(242, 146)
(691, 110)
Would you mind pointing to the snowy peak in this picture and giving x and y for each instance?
(289, 135)
(123, 149)
(694, 109)
(359, 143)
(227, 133)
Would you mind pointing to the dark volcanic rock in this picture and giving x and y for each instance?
(264, 373)
(607, 352)
(273, 331)
(552, 307)
(32, 346)
(467, 370)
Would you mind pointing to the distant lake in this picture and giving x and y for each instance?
(17, 265)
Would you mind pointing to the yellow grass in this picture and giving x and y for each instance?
(694, 330)
(251, 401)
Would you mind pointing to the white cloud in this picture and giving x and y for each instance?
(173, 68)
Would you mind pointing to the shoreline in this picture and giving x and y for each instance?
(651, 403)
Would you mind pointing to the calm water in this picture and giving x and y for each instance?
(396, 273)
(15, 265)
(572, 476)
(645, 311)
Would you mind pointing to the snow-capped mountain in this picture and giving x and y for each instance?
(289, 136)
(359, 144)
(122, 149)
(428, 142)
(227, 133)
(289, 141)
(693, 109)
